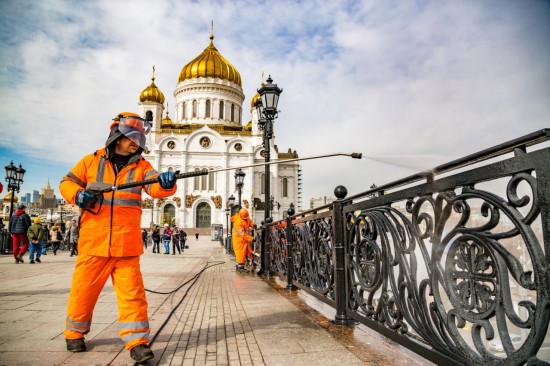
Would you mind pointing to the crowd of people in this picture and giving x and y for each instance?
(170, 235)
(30, 234)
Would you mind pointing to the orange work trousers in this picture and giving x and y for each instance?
(89, 278)
(241, 248)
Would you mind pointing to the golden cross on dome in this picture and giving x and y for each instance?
(212, 30)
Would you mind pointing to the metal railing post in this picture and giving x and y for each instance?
(289, 252)
(338, 255)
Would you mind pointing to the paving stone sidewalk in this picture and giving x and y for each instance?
(218, 318)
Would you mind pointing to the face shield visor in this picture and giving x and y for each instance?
(135, 129)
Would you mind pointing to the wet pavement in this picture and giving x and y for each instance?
(202, 312)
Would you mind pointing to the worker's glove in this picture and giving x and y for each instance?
(167, 180)
(85, 199)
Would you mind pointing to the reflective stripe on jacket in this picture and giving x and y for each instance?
(116, 230)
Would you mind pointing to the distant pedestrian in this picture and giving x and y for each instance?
(144, 238)
(47, 242)
(36, 237)
(197, 236)
(155, 236)
(166, 238)
(56, 236)
(183, 239)
(175, 240)
(19, 224)
(72, 237)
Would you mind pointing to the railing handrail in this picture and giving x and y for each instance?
(531, 139)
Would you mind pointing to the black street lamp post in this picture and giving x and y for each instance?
(62, 223)
(239, 182)
(231, 202)
(227, 222)
(266, 108)
(152, 224)
(14, 177)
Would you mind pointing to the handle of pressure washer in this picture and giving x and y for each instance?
(155, 180)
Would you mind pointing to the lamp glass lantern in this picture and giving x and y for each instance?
(239, 177)
(19, 173)
(231, 200)
(260, 111)
(10, 171)
(269, 94)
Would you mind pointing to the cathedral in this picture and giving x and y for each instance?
(214, 127)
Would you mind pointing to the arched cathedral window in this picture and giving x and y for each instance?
(232, 112)
(184, 107)
(221, 109)
(194, 109)
(262, 183)
(211, 181)
(204, 179)
(207, 112)
(196, 180)
(285, 187)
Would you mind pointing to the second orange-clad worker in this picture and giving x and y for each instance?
(242, 226)
(110, 234)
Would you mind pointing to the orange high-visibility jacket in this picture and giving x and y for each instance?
(116, 230)
(241, 237)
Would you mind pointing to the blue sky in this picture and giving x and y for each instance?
(418, 83)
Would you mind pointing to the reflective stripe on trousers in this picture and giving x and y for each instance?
(90, 275)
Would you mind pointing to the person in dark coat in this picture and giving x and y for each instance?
(72, 237)
(155, 235)
(183, 238)
(144, 238)
(20, 222)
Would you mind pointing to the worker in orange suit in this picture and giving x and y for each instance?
(110, 242)
(242, 226)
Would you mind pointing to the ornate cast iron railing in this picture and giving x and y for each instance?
(454, 265)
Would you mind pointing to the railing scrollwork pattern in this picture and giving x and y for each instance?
(451, 268)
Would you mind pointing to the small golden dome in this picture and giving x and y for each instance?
(7, 198)
(152, 93)
(210, 63)
(166, 120)
(254, 99)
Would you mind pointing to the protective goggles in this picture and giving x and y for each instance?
(135, 129)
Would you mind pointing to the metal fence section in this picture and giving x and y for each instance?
(453, 263)
(5, 242)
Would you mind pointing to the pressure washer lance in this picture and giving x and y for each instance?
(97, 189)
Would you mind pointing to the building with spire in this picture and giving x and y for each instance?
(213, 128)
(47, 198)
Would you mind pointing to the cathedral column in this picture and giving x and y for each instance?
(183, 190)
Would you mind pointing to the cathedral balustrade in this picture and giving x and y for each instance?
(452, 263)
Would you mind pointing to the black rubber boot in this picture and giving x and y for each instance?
(76, 345)
(141, 353)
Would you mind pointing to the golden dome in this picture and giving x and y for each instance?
(152, 93)
(254, 99)
(210, 63)
(166, 120)
(7, 198)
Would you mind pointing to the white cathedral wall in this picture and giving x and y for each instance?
(189, 155)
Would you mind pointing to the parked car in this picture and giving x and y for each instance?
(496, 344)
